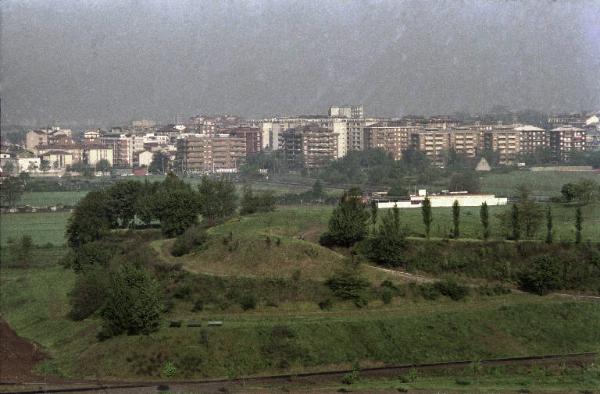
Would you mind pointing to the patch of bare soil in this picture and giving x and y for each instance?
(17, 356)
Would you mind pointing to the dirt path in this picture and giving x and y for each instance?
(17, 356)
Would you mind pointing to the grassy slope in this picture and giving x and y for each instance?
(35, 304)
(250, 255)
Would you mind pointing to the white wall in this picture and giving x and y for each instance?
(474, 200)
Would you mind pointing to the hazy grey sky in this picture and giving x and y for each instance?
(112, 61)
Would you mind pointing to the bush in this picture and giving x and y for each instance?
(429, 291)
(326, 305)
(88, 294)
(97, 253)
(348, 284)
(247, 302)
(542, 277)
(386, 296)
(194, 237)
(133, 303)
(198, 306)
(452, 289)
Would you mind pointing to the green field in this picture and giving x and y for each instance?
(34, 302)
(42, 227)
(540, 183)
(470, 226)
(310, 221)
(46, 199)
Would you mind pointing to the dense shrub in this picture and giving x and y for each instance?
(97, 254)
(89, 293)
(133, 303)
(248, 301)
(542, 277)
(263, 201)
(191, 239)
(452, 289)
(348, 284)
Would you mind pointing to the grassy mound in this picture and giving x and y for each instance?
(280, 244)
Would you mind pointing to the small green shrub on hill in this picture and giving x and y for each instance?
(193, 238)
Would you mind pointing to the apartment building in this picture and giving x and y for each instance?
(531, 139)
(34, 138)
(122, 147)
(208, 154)
(393, 137)
(94, 153)
(75, 150)
(505, 141)
(433, 142)
(347, 111)
(565, 140)
(252, 136)
(309, 146)
(466, 140)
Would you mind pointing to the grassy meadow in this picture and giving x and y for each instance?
(43, 227)
(45, 199)
(541, 183)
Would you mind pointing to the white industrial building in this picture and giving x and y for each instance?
(444, 200)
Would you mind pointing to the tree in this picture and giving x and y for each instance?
(485, 220)
(397, 190)
(456, 219)
(89, 293)
(177, 209)
(578, 225)
(124, 196)
(317, 190)
(21, 251)
(160, 163)
(348, 223)
(11, 191)
(427, 215)
(465, 181)
(8, 167)
(374, 210)
(133, 303)
(549, 226)
(217, 198)
(103, 166)
(45, 165)
(348, 283)
(529, 215)
(145, 204)
(515, 223)
(542, 276)
(387, 245)
(92, 219)
(263, 201)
